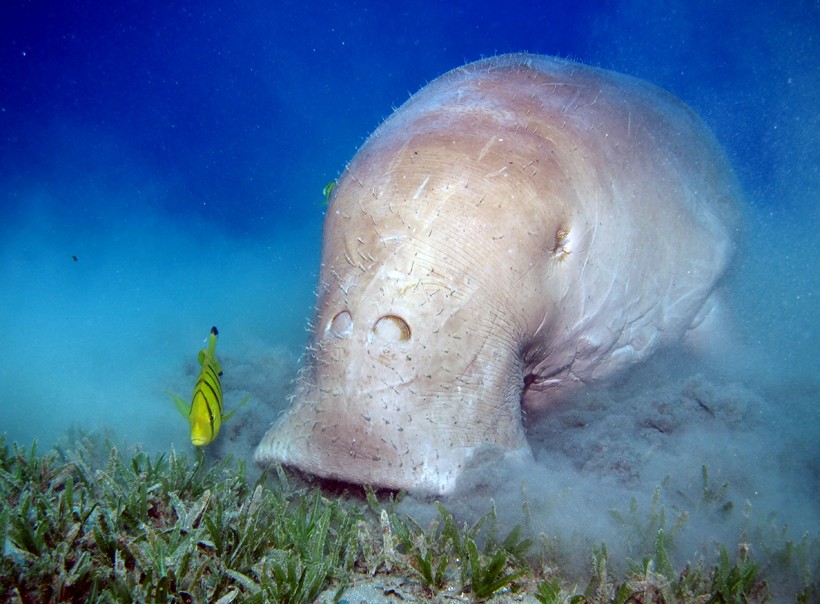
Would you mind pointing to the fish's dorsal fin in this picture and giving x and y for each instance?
(210, 349)
(212, 340)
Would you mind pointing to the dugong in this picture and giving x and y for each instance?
(521, 226)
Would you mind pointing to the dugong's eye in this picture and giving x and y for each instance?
(341, 324)
(391, 328)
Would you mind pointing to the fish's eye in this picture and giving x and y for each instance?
(341, 324)
(392, 328)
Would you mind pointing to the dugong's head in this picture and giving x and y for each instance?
(427, 293)
(511, 230)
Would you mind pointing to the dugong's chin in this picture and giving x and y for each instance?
(425, 470)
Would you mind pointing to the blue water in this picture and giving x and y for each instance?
(162, 167)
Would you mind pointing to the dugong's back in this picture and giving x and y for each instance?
(520, 226)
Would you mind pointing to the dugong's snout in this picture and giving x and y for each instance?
(372, 407)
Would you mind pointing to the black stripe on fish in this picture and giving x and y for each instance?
(214, 385)
(211, 420)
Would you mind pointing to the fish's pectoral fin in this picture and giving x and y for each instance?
(201, 356)
(183, 406)
(227, 416)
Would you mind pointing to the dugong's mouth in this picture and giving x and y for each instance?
(392, 435)
(416, 463)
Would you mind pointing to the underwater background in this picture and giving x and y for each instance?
(162, 168)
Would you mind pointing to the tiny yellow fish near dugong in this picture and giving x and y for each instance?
(205, 412)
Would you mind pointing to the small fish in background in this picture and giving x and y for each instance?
(74, 258)
(205, 412)
(327, 191)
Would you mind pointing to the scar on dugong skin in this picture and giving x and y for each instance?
(521, 226)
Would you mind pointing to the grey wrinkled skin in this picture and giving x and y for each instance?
(521, 226)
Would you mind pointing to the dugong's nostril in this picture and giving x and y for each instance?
(341, 324)
(391, 328)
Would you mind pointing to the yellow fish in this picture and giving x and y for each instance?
(205, 412)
